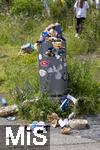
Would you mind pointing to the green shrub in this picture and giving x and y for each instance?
(27, 7)
(39, 109)
(58, 11)
(83, 85)
(5, 6)
(91, 31)
(87, 105)
(82, 82)
(61, 14)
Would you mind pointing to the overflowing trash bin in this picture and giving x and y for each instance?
(52, 61)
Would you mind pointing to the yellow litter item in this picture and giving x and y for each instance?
(35, 46)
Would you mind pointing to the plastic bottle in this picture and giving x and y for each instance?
(3, 101)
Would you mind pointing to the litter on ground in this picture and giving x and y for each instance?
(27, 48)
(8, 110)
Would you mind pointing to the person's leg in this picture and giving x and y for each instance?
(77, 25)
(81, 24)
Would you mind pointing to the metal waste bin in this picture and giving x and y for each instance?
(52, 67)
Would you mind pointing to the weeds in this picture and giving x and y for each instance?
(39, 108)
(83, 86)
(91, 32)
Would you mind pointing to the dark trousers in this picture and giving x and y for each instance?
(79, 24)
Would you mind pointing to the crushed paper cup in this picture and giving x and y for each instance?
(66, 130)
(53, 119)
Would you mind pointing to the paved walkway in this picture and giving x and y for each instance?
(79, 139)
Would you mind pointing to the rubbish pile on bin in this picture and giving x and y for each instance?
(53, 33)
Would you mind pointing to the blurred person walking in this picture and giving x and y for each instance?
(80, 8)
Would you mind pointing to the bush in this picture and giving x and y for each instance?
(83, 86)
(39, 108)
(60, 12)
(87, 105)
(27, 7)
(91, 31)
(82, 82)
(5, 6)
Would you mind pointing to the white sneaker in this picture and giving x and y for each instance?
(77, 35)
